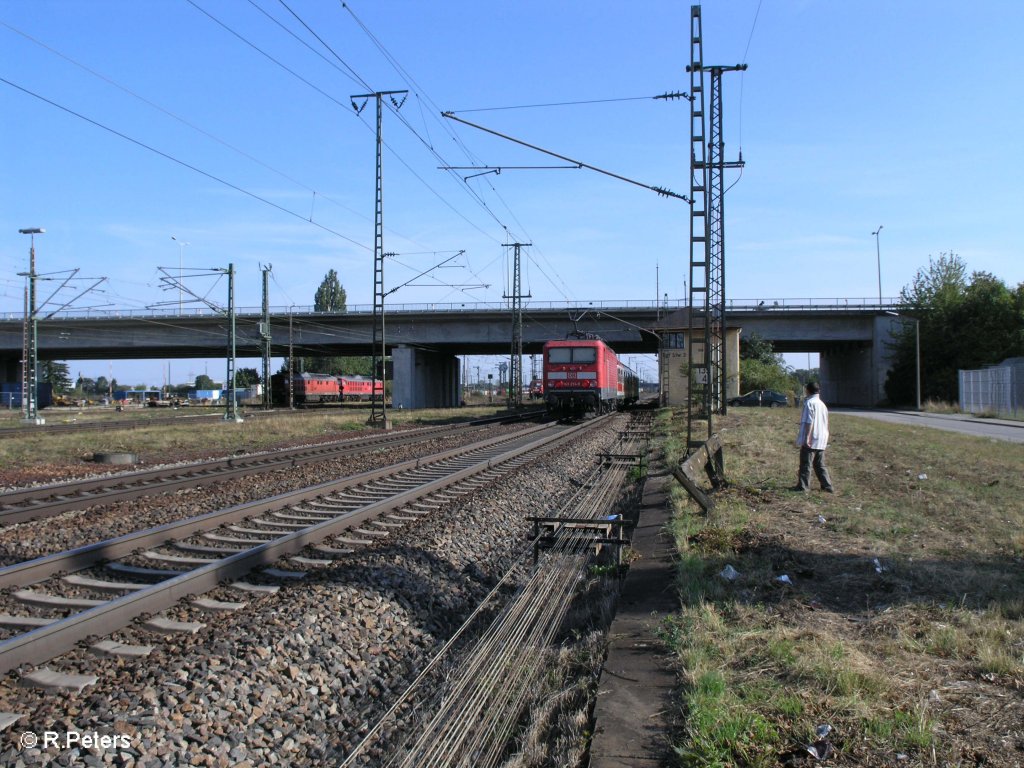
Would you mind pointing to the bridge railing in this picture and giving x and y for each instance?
(732, 305)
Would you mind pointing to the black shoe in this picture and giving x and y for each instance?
(828, 490)
(798, 489)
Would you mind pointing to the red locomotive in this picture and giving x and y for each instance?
(584, 375)
(358, 388)
(312, 388)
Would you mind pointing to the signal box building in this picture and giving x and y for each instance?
(677, 332)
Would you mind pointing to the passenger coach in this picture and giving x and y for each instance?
(583, 376)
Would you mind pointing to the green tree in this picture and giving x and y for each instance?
(102, 385)
(761, 367)
(246, 377)
(964, 322)
(757, 347)
(56, 374)
(330, 296)
(204, 382)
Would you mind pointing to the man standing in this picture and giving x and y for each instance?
(812, 440)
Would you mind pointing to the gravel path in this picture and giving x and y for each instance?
(294, 678)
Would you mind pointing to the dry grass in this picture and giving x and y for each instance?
(921, 663)
(41, 456)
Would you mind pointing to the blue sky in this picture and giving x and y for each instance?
(850, 116)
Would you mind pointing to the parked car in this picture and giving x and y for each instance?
(764, 398)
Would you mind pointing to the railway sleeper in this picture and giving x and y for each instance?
(312, 562)
(277, 523)
(263, 589)
(232, 539)
(216, 606)
(51, 680)
(268, 532)
(122, 650)
(23, 622)
(164, 626)
(101, 585)
(353, 541)
(202, 549)
(278, 573)
(160, 557)
(44, 600)
(333, 551)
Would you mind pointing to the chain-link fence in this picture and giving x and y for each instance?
(998, 391)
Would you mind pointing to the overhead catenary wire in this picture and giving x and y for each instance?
(182, 163)
(178, 118)
(553, 104)
(743, 73)
(660, 190)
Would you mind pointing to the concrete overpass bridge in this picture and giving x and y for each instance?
(850, 335)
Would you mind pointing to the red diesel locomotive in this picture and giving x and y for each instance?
(310, 388)
(584, 375)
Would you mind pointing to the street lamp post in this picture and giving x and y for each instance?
(30, 345)
(181, 249)
(917, 353)
(878, 254)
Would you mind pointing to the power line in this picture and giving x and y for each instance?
(183, 121)
(746, 50)
(553, 104)
(182, 163)
(660, 190)
(322, 42)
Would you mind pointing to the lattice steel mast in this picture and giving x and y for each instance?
(515, 386)
(707, 367)
(378, 411)
(265, 337)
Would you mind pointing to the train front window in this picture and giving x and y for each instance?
(560, 355)
(584, 354)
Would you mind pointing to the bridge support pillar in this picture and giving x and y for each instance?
(424, 379)
(848, 376)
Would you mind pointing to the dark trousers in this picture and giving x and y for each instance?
(809, 457)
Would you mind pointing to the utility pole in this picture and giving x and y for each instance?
(378, 413)
(707, 365)
(30, 339)
(265, 336)
(231, 412)
(515, 385)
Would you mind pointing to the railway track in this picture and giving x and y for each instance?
(40, 502)
(99, 588)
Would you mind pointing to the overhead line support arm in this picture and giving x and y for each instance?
(660, 190)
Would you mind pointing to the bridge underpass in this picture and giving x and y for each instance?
(424, 340)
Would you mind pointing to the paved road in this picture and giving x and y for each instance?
(997, 429)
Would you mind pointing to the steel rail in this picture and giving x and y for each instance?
(480, 711)
(43, 643)
(40, 502)
(470, 714)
